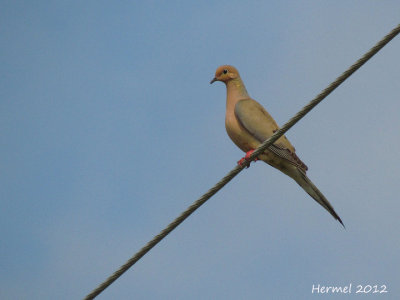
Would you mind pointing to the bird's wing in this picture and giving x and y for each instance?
(259, 123)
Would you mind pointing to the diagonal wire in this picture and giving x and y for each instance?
(239, 168)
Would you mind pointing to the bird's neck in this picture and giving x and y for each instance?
(235, 91)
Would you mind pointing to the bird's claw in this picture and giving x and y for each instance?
(246, 158)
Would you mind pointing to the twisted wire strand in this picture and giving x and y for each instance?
(239, 168)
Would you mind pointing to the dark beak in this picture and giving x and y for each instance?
(213, 80)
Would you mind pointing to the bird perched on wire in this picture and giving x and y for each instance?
(248, 124)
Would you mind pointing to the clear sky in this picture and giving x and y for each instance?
(109, 129)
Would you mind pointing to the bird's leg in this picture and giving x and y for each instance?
(246, 158)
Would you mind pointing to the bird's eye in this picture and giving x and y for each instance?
(225, 71)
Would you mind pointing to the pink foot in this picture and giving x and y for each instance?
(246, 158)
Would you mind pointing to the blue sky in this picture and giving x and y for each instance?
(110, 129)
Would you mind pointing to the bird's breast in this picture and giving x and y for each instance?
(239, 135)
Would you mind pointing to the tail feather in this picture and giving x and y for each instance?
(315, 193)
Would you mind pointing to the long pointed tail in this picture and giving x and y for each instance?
(315, 193)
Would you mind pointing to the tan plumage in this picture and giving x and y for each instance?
(248, 124)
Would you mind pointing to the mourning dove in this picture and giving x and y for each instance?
(248, 124)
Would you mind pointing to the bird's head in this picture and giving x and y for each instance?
(225, 73)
